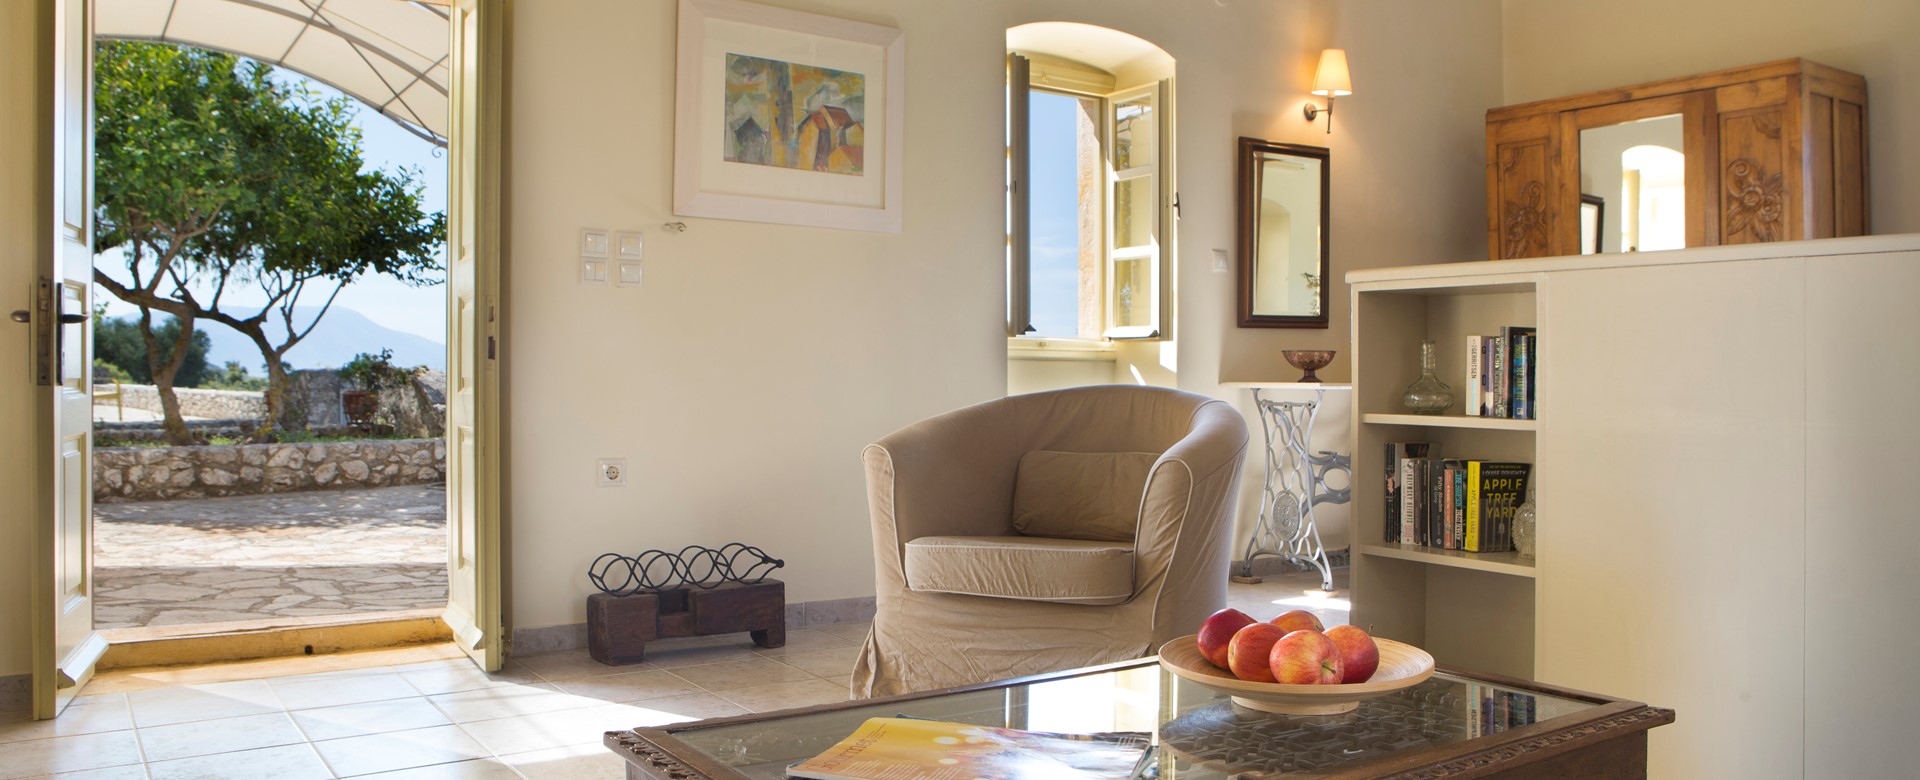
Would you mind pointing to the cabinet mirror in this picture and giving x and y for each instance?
(1283, 235)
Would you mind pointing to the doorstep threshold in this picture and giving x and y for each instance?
(242, 640)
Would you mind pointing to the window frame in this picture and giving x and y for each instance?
(1020, 333)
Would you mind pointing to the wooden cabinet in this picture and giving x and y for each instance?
(1774, 152)
(1726, 520)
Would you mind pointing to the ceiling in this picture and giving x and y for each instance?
(390, 54)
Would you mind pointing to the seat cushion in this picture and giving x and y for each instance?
(1080, 495)
(1067, 571)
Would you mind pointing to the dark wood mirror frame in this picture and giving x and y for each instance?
(1251, 152)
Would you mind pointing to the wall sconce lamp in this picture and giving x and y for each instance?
(1330, 81)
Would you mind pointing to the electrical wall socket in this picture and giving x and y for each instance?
(612, 472)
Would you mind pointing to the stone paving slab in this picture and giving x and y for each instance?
(161, 563)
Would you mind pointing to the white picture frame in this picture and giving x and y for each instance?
(859, 190)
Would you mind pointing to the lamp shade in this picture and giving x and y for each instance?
(1331, 80)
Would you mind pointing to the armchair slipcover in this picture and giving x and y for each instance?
(962, 598)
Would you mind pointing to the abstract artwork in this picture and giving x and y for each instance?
(789, 115)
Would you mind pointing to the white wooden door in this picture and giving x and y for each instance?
(474, 608)
(65, 646)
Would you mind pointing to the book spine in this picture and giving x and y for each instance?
(1500, 374)
(1486, 376)
(1437, 498)
(1460, 506)
(1473, 506)
(1470, 390)
(1533, 370)
(1521, 389)
(1391, 531)
(1409, 507)
(1446, 504)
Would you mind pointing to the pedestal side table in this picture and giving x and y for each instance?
(1296, 477)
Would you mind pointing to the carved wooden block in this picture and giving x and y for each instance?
(619, 627)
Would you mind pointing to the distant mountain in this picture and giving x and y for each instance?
(342, 334)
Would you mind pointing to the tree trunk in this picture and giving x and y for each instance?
(173, 424)
(284, 414)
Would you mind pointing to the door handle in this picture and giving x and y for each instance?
(21, 316)
(70, 319)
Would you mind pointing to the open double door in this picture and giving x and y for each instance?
(65, 645)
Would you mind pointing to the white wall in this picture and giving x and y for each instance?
(19, 255)
(744, 378)
(1555, 47)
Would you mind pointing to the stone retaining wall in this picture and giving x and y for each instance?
(163, 473)
(194, 402)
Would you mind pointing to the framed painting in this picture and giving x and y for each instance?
(788, 117)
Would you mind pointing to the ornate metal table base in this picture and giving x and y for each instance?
(1296, 481)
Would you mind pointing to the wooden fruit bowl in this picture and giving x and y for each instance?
(1401, 666)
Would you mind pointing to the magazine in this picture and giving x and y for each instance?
(913, 749)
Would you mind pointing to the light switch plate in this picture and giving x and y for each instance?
(627, 244)
(628, 273)
(593, 272)
(1220, 260)
(593, 242)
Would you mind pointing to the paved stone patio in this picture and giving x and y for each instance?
(330, 552)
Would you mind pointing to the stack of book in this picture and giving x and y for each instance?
(1451, 504)
(1491, 710)
(1500, 374)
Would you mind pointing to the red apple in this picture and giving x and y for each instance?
(1217, 631)
(1299, 620)
(1248, 653)
(1357, 651)
(1305, 658)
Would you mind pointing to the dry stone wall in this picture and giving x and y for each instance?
(194, 402)
(164, 473)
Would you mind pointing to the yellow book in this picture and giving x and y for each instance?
(1472, 542)
(910, 749)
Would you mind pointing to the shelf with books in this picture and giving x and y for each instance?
(1451, 421)
(1498, 563)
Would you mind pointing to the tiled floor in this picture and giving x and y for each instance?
(425, 712)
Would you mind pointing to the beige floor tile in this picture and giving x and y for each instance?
(128, 772)
(464, 676)
(288, 762)
(832, 664)
(207, 737)
(399, 750)
(525, 733)
(86, 715)
(332, 692)
(854, 631)
(477, 769)
(673, 709)
(68, 754)
(786, 695)
(739, 674)
(806, 640)
(490, 703)
(180, 704)
(675, 657)
(359, 720)
(571, 664)
(628, 687)
(579, 762)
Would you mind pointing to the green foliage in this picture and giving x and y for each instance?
(233, 376)
(377, 372)
(209, 170)
(113, 372)
(117, 342)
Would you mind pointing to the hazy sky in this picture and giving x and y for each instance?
(417, 310)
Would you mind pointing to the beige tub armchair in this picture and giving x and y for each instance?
(1047, 531)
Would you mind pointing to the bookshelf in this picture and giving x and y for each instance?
(1447, 601)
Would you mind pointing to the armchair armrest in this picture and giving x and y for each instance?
(950, 475)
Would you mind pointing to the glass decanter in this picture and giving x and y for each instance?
(1428, 395)
(1524, 525)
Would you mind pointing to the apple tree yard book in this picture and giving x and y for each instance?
(914, 749)
(1401, 522)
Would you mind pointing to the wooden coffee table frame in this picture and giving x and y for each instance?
(1607, 741)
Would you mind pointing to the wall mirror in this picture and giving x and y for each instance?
(1283, 235)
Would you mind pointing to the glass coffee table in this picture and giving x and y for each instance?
(1456, 724)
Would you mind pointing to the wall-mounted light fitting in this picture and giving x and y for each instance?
(1330, 81)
